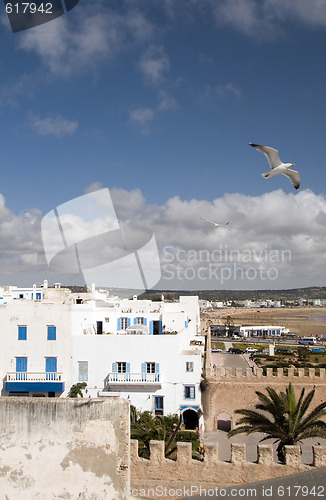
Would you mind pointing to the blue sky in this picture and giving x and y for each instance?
(157, 100)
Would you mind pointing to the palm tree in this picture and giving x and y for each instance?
(283, 419)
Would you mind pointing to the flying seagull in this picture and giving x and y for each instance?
(215, 224)
(277, 166)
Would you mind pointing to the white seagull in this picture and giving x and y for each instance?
(215, 224)
(277, 167)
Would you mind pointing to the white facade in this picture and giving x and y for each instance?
(262, 330)
(147, 352)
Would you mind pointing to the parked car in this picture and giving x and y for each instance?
(251, 349)
(315, 349)
(214, 349)
(235, 350)
(283, 350)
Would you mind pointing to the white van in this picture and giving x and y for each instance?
(308, 341)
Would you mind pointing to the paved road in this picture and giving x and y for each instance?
(309, 485)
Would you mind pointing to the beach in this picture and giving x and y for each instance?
(303, 321)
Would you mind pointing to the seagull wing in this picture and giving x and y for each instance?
(215, 223)
(212, 222)
(294, 177)
(270, 153)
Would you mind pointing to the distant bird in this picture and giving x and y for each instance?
(277, 166)
(215, 224)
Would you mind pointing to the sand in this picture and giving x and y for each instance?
(303, 321)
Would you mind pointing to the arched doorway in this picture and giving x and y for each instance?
(224, 422)
(190, 419)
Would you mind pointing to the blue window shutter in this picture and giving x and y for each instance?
(160, 327)
(115, 370)
(127, 367)
(52, 333)
(143, 371)
(22, 332)
(157, 371)
(135, 321)
(119, 323)
(185, 392)
(128, 322)
(186, 322)
(145, 321)
(51, 365)
(151, 328)
(21, 364)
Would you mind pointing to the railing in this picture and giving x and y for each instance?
(143, 378)
(34, 377)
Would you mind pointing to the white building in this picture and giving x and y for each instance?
(262, 330)
(147, 352)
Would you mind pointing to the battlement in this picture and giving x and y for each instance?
(211, 469)
(269, 373)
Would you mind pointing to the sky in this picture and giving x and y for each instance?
(157, 100)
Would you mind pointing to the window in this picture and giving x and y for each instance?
(38, 296)
(140, 321)
(123, 368)
(52, 332)
(124, 323)
(50, 368)
(190, 392)
(22, 333)
(107, 320)
(189, 366)
(159, 405)
(21, 295)
(82, 371)
(21, 366)
(150, 367)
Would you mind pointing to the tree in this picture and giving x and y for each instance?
(283, 418)
(229, 326)
(146, 427)
(76, 390)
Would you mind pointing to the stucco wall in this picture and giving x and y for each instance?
(64, 448)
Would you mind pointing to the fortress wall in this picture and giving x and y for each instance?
(225, 393)
(214, 471)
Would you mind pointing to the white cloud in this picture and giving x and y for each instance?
(141, 115)
(56, 126)
(154, 64)
(267, 19)
(96, 33)
(277, 240)
(220, 91)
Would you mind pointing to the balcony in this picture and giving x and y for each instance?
(34, 381)
(128, 379)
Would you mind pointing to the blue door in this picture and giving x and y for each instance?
(21, 368)
(50, 368)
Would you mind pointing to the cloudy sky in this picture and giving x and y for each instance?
(157, 101)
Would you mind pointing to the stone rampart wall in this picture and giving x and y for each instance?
(225, 393)
(214, 471)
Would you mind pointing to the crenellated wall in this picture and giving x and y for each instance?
(212, 470)
(224, 392)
